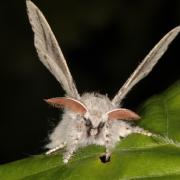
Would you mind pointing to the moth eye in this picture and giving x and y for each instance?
(87, 122)
(101, 125)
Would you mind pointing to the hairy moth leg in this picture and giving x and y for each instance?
(55, 149)
(105, 157)
(71, 147)
(142, 131)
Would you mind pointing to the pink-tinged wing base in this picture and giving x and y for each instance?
(69, 103)
(122, 114)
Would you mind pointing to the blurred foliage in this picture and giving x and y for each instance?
(136, 157)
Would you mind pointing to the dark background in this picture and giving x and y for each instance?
(103, 41)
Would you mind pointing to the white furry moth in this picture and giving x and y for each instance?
(89, 118)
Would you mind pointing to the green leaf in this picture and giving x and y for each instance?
(136, 157)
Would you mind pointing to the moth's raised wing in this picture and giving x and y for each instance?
(147, 64)
(49, 51)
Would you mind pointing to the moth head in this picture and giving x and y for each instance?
(94, 118)
(92, 121)
(94, 124)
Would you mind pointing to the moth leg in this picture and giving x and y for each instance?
(105, 157)
(142, 131)
(55, 149)
(71, 147)
(108, 153)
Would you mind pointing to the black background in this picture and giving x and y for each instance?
(103, 41)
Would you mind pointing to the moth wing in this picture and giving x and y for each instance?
(49, 51)
(122, 114)
(146, 65)
(69, 103)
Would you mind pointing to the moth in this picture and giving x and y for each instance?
(90, 118)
